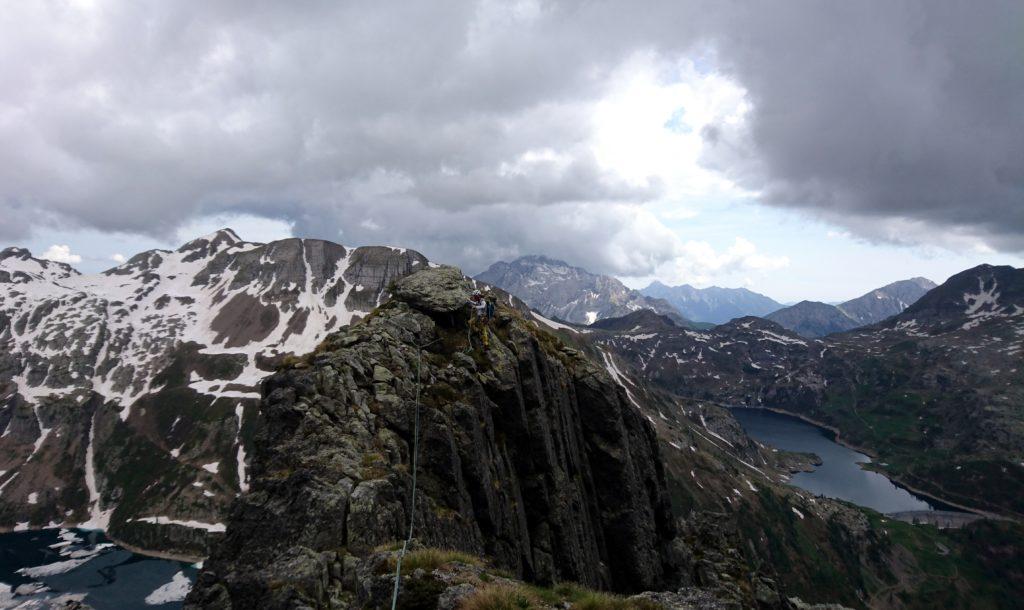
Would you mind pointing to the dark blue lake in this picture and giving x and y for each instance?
(840, 474)
(84, 565)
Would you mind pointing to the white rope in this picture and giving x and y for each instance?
(415, 463)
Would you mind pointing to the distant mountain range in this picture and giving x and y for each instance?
(573, 294)
(816, 319)
(713, 304)
(559, 290)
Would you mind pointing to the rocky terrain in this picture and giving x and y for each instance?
(934, 391)
(813, 319)
(127, 397)
(530, 455)
(575, 295)
(713, 304)
(537, 466)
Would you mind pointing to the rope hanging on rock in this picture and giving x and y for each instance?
(415, 463)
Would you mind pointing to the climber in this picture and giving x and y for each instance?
(491, 301)
(478, 304)
(478, 316)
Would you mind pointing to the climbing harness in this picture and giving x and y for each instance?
(415, 463)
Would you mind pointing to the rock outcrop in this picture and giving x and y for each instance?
(530, 455)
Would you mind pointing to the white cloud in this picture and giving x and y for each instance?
(118, 258)
(699, 263)
(61, 253)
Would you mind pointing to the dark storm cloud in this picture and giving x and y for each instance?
(876, 110)
(463, 128)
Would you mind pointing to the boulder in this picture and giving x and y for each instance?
(437, 290)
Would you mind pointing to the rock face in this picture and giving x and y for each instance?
(529, 454)
(126, 397)
(713, 304)
(575, 295)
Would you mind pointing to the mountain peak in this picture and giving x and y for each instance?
(643, 319)
(17, 265)
(16, 252)
(212, 243)
(541, 259)
(559, 290)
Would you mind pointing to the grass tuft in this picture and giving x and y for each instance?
(431, 559)
(500, 597)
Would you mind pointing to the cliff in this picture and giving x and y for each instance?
(530, 455)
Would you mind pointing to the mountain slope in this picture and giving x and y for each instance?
(559, 290)
(813, 319)
(126, 397)
(886, 301)
(713, 304)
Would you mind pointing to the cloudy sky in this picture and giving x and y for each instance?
(803, 149)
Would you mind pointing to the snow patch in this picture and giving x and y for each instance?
(174, 591)
(160, 520)
(552, 323)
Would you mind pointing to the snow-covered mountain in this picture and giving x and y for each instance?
(559, 290)
(712, 304)
(815, 319)
(127, 397)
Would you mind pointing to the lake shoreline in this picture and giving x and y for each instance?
(156, 554)
(894, 478)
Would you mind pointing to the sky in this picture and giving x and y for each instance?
(803, 150)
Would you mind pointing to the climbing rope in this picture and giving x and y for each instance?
(415, 463)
